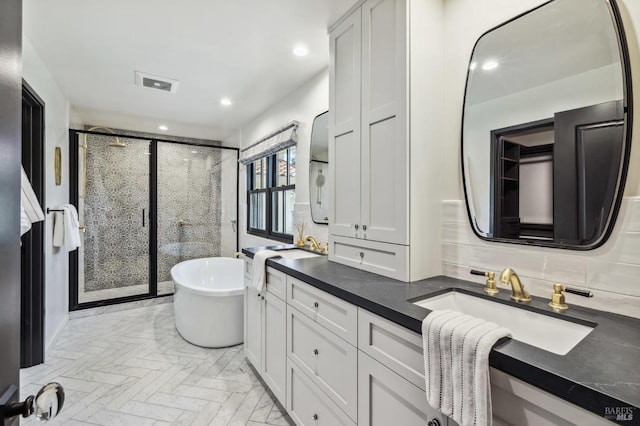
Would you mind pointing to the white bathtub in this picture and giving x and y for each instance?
(208, 301)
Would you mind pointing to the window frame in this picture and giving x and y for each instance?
(270, 189)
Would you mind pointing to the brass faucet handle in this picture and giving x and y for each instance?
(490, 286)
(557, 298)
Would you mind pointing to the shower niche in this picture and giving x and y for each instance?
(146, 204)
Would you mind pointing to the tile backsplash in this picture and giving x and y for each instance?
(609, 271)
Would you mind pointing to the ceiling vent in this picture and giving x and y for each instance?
(156, 82)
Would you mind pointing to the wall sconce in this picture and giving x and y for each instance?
(57, 165)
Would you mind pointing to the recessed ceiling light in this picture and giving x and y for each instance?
(300, 51)
(489, 65)
(163, 127)
(473, 66)
(194, 152)
(225, 101)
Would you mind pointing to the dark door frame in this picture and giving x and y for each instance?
(32, 259)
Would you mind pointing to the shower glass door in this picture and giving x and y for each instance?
(197, 202)
(113, 207)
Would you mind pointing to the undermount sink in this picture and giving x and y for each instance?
(296, 254)
(542, 331)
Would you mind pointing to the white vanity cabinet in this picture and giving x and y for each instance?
(374, 126)
(265, 330)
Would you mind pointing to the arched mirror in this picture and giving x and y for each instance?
(319, 169)
(547, 124)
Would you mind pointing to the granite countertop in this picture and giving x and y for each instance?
(602, 371)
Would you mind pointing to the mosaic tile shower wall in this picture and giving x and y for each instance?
(191, 210)
(116, 244)
(189, 204)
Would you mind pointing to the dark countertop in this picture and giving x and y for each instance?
(602, 371)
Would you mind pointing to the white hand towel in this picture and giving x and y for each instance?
(25, 223)
(456, 357)
(58, 229)
(259, 275)
(71, 228)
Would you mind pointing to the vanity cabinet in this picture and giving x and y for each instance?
(373, 127)
(265, 330)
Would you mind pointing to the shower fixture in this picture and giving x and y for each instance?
(116, 143)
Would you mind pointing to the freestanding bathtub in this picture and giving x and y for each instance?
(208, 301)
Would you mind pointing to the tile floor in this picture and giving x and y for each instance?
(133, 368)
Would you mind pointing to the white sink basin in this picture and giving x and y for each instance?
(545, 332)
(296, 254)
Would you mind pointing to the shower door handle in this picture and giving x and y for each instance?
(143, 216)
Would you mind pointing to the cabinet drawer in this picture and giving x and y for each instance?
(308, 405)
(328, 360)
(276, 283)
(389, 260)
(392, 345)
(335, 314)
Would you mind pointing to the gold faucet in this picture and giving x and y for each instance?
(518, 293)
(557, 298)
(315, 246)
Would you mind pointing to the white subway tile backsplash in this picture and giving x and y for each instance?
(609, 271)
(621, 278)
(454, 211)
(629, 216)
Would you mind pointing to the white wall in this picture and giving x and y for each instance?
(56, 135)
(303, 104)
(610, 271)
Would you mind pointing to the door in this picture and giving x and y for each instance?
(386, 398)
(344, 126)
(274, 345)
(384, 173)
(113, 186)
(587, 155)
(10, 156)
(32, 249)
(253, 321)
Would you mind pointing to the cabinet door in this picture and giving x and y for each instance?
(274, 329)
(253, 327)
(385, 398)
(385, 154)
(344, 126)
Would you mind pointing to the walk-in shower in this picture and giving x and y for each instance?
(146, 204)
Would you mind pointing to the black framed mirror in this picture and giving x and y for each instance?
(319, 169)
(546, 129)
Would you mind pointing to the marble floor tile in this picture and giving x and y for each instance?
(131, 367)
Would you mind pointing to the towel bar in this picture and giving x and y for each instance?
(49, 210)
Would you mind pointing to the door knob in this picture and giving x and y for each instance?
(45, 405)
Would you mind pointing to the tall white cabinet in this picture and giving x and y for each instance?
(376, 224)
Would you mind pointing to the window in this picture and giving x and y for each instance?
(271, 194)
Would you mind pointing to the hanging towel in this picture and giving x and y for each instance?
(66, 228)
(71, 227)
(58, 229)
(25, 223)
(259, 275)
(456, 364)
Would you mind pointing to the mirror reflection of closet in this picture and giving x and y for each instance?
(319, 169)
(546, 129)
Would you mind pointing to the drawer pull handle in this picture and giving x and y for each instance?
(361, 254)
(356, 226)
(315, 352)
(315, 417)
(258, 295)
(315, 304)
(364, 227)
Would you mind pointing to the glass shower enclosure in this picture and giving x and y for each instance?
(144, 205)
